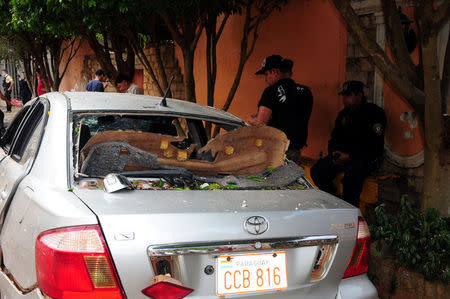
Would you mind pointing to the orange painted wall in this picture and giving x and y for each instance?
(72, 78)
(313, 35)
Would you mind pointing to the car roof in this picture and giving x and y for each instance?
(108, 101)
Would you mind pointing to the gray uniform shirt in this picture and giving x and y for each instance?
(135, 89)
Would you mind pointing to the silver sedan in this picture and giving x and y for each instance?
(121, 196)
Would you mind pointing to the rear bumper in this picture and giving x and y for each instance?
(357, 287)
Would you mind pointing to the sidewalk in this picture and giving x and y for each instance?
(9, 116)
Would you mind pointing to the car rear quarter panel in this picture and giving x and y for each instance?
(42, 201)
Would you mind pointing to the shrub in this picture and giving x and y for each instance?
(418, 240)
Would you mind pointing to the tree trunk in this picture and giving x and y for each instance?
(432, 193)
(379, 58)
(445, 85)
(189, 83)
(209, 73)
(27, 65)
(162, 71)
(102, 56)
(397, 42)
(120, 46)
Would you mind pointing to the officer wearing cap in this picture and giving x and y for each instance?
(284, 104)
(356, 144)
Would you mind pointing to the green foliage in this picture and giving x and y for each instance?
(158, 184)
(420, 241)
(43, 18)
(254, 178)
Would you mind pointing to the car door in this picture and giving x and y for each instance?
(18, 146)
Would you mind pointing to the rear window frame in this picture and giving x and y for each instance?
(196, 119)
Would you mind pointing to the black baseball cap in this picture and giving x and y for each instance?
(270, 62)
(352, 87)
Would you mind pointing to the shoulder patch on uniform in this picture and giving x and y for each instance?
(378, 129)
(302, 88)
(281, 94)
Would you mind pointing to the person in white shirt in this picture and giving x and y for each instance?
(125, 84)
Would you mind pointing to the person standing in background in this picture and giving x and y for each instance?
(24, 89)
(284, 104)
(125, 84)
(98, 84)
(7, 85)
(41, 89)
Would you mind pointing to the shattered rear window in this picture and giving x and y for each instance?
(160, 152)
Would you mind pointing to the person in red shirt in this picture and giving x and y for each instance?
(41, 89)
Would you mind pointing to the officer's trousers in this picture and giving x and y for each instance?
(2, 116)
(356, 171)
(8, 102)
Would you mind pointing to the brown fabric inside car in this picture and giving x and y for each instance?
(246, 150)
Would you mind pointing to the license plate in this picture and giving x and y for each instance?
(246, 273)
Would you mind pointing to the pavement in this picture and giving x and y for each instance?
(9, 116)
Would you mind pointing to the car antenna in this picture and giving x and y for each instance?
(163, 101)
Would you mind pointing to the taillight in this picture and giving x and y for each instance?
(360, 258)
(166, 290)
(74, 262)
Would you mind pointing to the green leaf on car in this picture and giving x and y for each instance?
(254, 178)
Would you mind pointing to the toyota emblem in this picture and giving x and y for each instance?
(256, 225)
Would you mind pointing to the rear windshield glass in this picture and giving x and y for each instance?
(167, 152)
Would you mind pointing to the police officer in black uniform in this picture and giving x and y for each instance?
(285, 105)
(356, 144)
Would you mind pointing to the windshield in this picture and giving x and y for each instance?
(169, 152)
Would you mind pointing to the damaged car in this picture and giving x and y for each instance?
(108, 195)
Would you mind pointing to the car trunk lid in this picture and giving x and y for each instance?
(196, 228)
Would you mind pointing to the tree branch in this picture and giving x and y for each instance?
(252, 46)
(397, 39)
(196, 37)
(222, 25)
(72, 54)
(162, 70)
(442, 15)
(173, 29)
(144, 60)
(412, 94)
(102, 55)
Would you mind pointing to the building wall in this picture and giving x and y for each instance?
(313, 35)
(76, 77)
(171, 68)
